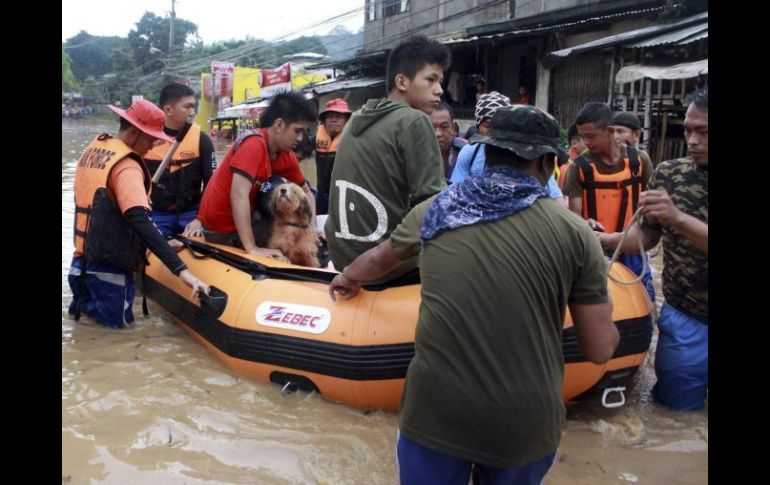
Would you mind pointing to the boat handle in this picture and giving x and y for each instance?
(611, 390)
(289, 388)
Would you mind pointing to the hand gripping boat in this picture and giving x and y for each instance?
(275, 322)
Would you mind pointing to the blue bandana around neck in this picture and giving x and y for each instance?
(489, 196)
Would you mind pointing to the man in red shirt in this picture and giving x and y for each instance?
(228, 201)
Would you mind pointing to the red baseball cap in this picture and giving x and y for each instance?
(145, 116)
(336, 105)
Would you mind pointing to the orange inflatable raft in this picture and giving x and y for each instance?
(275, 322)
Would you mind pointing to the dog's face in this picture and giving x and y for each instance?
(290, 201)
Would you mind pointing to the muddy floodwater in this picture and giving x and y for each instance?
(149, 405)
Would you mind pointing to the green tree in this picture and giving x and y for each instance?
(122, 59)
(93, 89)
(198, 50)
(68, 82)
(90, 54)
(148, 40)
(268, 55)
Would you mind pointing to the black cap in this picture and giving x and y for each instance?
(629, 120)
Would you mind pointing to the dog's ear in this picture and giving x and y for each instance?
(304, 209)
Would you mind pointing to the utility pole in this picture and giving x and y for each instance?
(171, 33)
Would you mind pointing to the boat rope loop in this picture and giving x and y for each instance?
(645, 264)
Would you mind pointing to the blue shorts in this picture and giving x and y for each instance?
(169, 222)
(419, 465)
(106, 295)
(681, 360)
(635, 264)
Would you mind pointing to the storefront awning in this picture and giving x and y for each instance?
(685, 70)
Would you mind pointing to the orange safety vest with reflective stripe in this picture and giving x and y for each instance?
(611, 199)
(101, 233)
(180, 185)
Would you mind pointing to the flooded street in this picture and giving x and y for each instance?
(148, 404)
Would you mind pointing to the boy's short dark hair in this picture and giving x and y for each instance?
(171, 93)
(701, 99)
(572, 133)
(412, 55)
(594, 112)
(291, 107)
(304, 148)
(444, 106)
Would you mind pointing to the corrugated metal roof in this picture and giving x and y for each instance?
(631, 35)
(583, 12)
(335, 85)
(541, 29)
(700, 36)
(471, 39)
(360, 59)
(682, 36)
(449, 36)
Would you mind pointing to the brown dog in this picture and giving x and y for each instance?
(292, 229)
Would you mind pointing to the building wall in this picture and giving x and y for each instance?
(612, 29)
(508, 64)
(424, 17)
(576, 82)
(526, 8)
(204, 105)
(245, 86)
(583, 77)
(434, 17)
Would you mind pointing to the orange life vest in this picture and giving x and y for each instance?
(101, 233)
(606, 197)
(325, 153)
(324, 143)
(573, 154)
(180, 185)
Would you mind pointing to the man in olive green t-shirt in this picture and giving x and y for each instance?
(500, 263)
(388, 158)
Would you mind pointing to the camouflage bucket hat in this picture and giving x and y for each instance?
(523, 129)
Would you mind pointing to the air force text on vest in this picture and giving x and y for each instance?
(95, 158)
